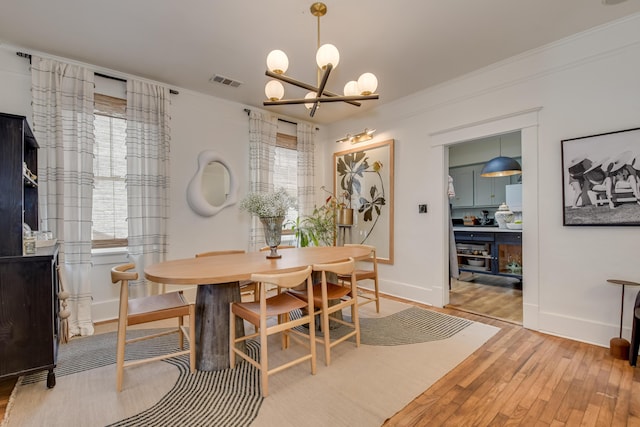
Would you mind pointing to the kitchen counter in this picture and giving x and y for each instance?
(487, 229)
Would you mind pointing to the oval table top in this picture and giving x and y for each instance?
(236, 267)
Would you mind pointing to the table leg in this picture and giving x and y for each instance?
(212, 325)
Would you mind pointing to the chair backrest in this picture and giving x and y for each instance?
(637, 304)
(214, 253)
(340, 268)
(371, 256)
(284, 280)
(120, 273)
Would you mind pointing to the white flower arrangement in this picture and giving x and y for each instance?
(266, 205)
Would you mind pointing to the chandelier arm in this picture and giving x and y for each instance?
(348, 99)
(306, 86)
(323, 83)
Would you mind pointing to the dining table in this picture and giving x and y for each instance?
(218, 279)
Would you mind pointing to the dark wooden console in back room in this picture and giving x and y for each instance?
(489, 250)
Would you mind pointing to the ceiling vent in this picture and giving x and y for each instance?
(224, 80)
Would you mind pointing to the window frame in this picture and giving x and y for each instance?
(109, 106)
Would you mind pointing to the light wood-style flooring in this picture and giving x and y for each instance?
(493, 296)
(519, 378)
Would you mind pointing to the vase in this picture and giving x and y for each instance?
(503, 215)
(345, 216)
(272, 233)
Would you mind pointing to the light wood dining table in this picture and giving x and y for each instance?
(218, 279)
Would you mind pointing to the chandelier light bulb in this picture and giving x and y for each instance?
(277, 62)
(351, 88)
(327, 54)
(274, 90)
(308, 96)
(367, 84)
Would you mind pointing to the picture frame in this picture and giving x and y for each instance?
(601, 179)
(364, 177)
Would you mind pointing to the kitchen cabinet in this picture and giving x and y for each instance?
(489, 192)
(489, 252)
(475, 191)
(463, 186)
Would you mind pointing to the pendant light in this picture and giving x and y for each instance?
(327, 59)
(501, 166)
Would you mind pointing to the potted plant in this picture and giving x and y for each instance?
(342, 206)
(271, 208)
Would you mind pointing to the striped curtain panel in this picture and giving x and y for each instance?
(263, 128)
(62, 96)
(148, 142)
(306, 168)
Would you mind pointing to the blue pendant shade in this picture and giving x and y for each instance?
(501, 166)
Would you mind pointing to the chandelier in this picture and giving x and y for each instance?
(327, 58)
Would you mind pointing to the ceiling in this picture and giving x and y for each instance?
(410, 45)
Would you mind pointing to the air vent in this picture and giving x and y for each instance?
(224, 80)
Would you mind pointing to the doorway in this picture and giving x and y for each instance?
(486, 260)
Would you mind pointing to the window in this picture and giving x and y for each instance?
(285, 174)
(109, 167)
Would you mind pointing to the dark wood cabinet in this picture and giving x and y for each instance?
(498, 253)
(29, 306)
(18, 191)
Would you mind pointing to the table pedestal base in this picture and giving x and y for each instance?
(212, 325)
(619, 348)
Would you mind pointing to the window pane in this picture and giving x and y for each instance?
(110, 168)
(285, 175)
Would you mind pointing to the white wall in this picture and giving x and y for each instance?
(583, 85)
(198, 122)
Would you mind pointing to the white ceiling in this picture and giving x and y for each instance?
(409, 44)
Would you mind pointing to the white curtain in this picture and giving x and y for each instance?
(263, 128)
(306, 168)
(62, 97)
(147, 180)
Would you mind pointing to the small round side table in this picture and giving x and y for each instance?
(618, 346)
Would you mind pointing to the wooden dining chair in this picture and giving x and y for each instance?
(329, 298)
(247, 287)
(149, 309)
(367, 274)
(278, 306)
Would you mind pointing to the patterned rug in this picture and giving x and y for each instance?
(230, 397)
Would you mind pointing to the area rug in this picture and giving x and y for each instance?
(403, 351)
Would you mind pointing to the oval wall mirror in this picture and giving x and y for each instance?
(213, 187)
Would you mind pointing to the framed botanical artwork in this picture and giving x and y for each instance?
(601, 179)
(364, 176)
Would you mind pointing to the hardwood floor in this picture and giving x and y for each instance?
(519, 377)
(492, 296)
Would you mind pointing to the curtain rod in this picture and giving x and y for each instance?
(248, 111)
(28, 56)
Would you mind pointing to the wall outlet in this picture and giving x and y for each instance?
(422, 208)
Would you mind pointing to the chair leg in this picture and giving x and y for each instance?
(325, 332)
(377, 292)
(180, 332)
(232, 338)
(192, 338)
(122, 336)
(264, 359)
(355, 319)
